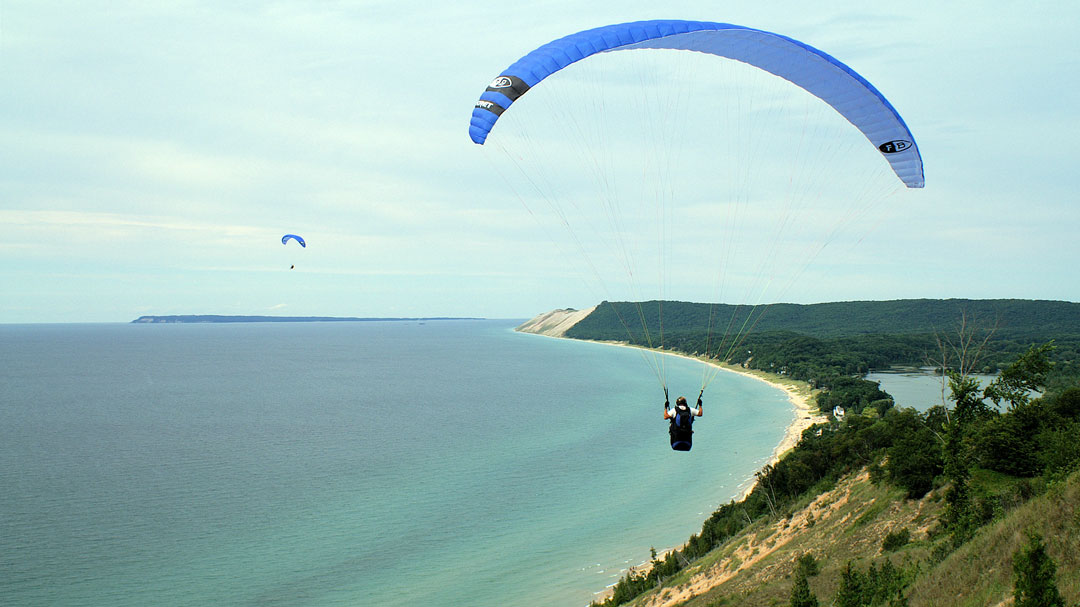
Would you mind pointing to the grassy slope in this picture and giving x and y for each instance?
(980, 572)
(850, 521)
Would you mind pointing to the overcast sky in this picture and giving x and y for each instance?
(152, 154)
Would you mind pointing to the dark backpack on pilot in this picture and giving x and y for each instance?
(681, 428)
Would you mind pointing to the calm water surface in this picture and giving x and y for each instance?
(380, 463)
(919, 389)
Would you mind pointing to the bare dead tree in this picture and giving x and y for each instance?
(961, 353)
(765, 481)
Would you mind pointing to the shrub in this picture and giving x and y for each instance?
(895, 540)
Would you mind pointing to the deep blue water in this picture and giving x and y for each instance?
(376, 463)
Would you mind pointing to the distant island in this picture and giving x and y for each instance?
(215, 318)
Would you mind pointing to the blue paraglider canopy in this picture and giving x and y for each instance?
(809, 68)
(285, 239)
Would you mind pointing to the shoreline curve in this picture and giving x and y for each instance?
(798, 394)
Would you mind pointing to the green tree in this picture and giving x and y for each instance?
(1067, 403)
(1034, 576)
(958, 515)
(1012, 434)
(1059, 451)
(1007, 443)
(876, 586)
(850, 593)
(915, 454)
(1026, 374)
(807, 565)
(801, 595)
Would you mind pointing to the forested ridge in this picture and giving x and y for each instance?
(811, 342)
(970, 467)
(1014, 317)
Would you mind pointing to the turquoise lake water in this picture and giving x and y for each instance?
(370, 463)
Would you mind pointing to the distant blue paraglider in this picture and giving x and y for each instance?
(285, 239)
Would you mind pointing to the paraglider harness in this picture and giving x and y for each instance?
(680, 427)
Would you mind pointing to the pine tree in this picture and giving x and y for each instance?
(850, 593)
(1034, 575)
(801, 596)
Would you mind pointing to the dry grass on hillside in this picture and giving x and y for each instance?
(850, 522)
(755, 568)
(980, 572)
